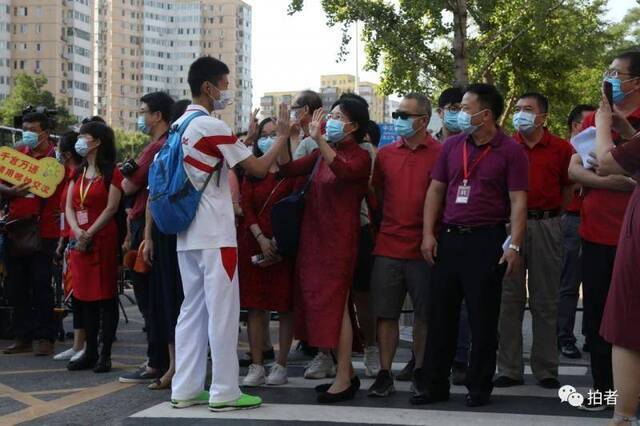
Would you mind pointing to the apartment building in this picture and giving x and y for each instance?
(5, 47)
(52, 38)
(101, 56)
(270, 102)
(148, 45)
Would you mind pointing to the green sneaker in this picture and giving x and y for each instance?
(201, 399)
(245, 402)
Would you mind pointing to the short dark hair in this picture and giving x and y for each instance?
(356, 112)
(311, 99)
(423, 101)
(576, 113)
(452, 95)
(543, 102)
(179, 108)
(633, 56)
(67, 144)
(204, 69)
(354, 96)
(159, 102)
(37, 117)
(106, 156)
(373, 130)
(489, 97)
(93, 118)
(257, 152)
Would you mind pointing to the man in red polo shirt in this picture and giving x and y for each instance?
(401, 176)
(29, 277)
(549, 190)
(571, 277)
(603, 209)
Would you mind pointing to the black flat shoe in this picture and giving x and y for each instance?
(83, 363)
(477, 400)
(103, 365)
(325, 386)
(331, 398)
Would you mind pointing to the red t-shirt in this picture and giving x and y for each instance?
(141, 175)
(403, 175)
(548, 171)
(48, 209)
(603, 210)
(65, 231)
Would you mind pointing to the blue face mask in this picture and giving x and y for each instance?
(59, 157)
(82, 148)
(524, 121)
(404, 127)
(464, 122)
(30, 139)
(142, 125)
(616, 86)
(265, 143)
(335, 130)
(451, 121)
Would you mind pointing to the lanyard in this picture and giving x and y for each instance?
(83, 193)
(467, 169)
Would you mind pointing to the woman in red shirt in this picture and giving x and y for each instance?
(69, 158)
(92, 201)
(267, 285)
(329, 236)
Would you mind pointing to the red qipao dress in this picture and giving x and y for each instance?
(269, 288)
(328, 239)
(622, 312)
(95, 271)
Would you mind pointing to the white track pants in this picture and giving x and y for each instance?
(211, 308)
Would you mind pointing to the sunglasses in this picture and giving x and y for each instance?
(404, 115)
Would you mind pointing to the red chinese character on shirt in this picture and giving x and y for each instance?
(33, 169)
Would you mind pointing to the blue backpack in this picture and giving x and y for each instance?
(173, 199)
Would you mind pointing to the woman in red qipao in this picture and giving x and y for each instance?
(267, 286)
(329, 235)
(92, 200)
(622, 312)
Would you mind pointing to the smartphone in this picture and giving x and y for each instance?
(607, 88)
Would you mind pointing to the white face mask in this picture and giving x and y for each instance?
(225, 99)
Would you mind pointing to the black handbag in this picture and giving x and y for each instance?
(24, 236)
(286, 217)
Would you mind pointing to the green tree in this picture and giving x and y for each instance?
(551, 46)
(129, 144)
(28, 90)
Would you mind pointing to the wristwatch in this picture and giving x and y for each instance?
(515, 248)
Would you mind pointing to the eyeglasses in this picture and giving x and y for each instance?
(297, 106)
(404, 115)
(612, 73)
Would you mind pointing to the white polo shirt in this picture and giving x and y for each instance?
(209, 145)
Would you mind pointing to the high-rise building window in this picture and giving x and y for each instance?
(38, 28)
(37, 47)
(23, 28)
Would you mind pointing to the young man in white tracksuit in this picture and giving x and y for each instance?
(207, 252)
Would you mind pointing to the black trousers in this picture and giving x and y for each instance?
(597, 268)
(100, 316)
(466, 267)
(140, 281)
(30, 293)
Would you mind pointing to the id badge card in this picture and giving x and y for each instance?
(463, 194)
(82, 216)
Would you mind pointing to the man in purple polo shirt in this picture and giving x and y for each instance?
(480, 180)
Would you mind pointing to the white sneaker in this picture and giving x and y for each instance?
(66, 355)
(371, 361)
(320, 367)
(77, 355)
(255, 376)
(277, 375)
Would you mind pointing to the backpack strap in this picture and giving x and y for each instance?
(181, 129)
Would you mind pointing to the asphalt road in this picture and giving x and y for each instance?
(36, 390)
